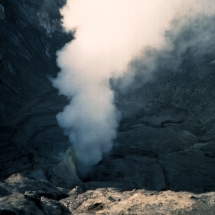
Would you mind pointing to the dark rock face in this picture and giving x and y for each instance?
(165, 139)
(160, 150)
(30, 137)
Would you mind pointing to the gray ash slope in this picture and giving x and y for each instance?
(165, 139)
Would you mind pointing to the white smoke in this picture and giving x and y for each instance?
(109, 34)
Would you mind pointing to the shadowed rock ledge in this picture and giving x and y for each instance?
(163, 159)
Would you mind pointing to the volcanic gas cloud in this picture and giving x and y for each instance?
(109, 34)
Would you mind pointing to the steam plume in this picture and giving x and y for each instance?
(109, 35)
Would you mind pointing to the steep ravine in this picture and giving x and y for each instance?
(162, 161)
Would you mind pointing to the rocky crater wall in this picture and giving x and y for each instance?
(165, 140)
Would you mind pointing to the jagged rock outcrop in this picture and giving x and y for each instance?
(21, 195)
(163, 159)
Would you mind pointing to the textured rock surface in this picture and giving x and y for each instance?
(111, 201)
(30, 137)
(27, 196)
(164, 149)
(163, 160)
